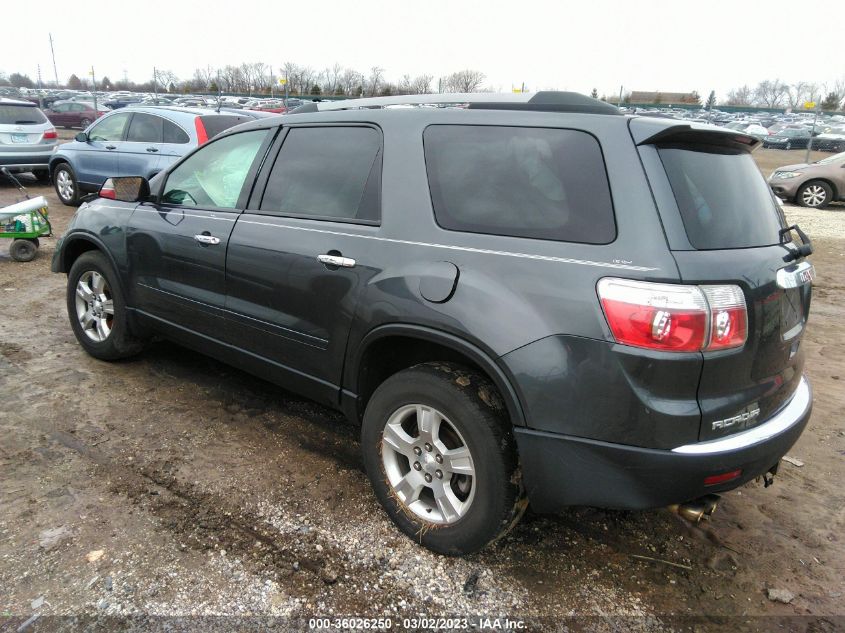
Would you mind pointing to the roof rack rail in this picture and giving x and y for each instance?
(545, 101)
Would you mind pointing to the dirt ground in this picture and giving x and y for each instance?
(172, 485)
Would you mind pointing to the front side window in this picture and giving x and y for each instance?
(215, 174)
(540, 183)
(110, 128)
(327, 172)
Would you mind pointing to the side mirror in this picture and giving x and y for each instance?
(82, 137)
(125, 189)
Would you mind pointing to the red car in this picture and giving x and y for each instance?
(70, 114)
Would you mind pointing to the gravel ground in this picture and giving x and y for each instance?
(172, 485)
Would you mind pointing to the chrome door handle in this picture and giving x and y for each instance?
(207, 239)
(336, 260)
(152, 149)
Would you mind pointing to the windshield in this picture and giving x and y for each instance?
(723, 199)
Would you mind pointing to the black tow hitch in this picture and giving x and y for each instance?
(769, 477)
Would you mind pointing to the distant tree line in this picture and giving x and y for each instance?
(261, 79)
(773, 93)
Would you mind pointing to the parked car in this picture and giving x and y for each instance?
(68, 114)
(476, 304)
(118, 102)
(788, 138)
(811, 185)
(27, 138)
(833, 140)
(132, 141)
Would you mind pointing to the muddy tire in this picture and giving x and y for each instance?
(440, 454)
(97, 311)
(23, 250)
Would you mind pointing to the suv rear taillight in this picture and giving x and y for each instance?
(202, 134)
(674, 317)
(50, 134)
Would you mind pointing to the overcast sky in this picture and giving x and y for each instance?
(576, 45)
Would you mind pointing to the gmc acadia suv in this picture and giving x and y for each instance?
(517, 299)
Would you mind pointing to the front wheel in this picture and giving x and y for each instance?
(441, 457)
(814, 194)
(64, 181)
(97, 309)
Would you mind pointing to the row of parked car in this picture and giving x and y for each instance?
(777, 131)
(144, 140)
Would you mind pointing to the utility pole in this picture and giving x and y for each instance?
(94, 88)
(40, 96)
(813, 131)
(53, 53)
(155, 85)
(619, 103)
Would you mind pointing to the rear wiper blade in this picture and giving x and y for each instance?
(804, 250)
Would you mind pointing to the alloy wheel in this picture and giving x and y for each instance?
(428, 464)
(64, 185)
(94, 306)
(814, 195)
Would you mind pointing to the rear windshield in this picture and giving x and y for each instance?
(21, 115)
(723, 199)
(217, 123)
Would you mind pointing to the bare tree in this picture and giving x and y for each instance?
(376, 76)
(422, 84)
(464, 81)
(770, 93)
(739, 97)
(799, 93)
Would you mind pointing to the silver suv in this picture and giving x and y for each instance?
(27, 138)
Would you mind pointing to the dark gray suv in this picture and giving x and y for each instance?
(519, 298)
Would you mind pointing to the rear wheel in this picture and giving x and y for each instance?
(97, 309)
(788, 145)
(42, 175)
(64, 181)
(441, 457)
(815, 194)
(23, 250)
(85, 123)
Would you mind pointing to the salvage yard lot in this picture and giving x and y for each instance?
(174, 485)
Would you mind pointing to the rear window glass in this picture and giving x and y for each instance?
(21, 115)
(539, 183)
(723, 199)
(216, 124)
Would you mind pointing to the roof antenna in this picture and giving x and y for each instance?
(218, 91)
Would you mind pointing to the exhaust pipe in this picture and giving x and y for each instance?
(695, 511)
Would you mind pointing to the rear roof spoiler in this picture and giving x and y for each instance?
(652, 131)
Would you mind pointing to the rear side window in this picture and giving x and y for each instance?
(327, 172)
(540, 183)
(144, 128)
(215, 124)
(172, 133)
(21, 115)
(723, 199)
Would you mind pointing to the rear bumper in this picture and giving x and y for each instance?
(560, 471)
(25, 161)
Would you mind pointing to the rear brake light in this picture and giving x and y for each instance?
(728, 320)
(107, 190)
(202, 135)
(49, 134)
(673, 317)
(712, 480)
